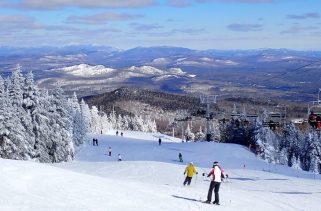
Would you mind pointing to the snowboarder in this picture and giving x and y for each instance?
(159, 141)
(109, 151)
(189, 171)
(119, 157)
(218, 174)
(117, 133)
(180, 157)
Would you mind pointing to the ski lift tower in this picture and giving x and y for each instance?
(208, 100)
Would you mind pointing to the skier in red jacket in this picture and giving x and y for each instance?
(217, 175)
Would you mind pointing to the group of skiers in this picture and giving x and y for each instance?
(109, 154)
(95, 142)
(217, 174)
(121, 133)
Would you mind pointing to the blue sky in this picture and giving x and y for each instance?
(197, 24)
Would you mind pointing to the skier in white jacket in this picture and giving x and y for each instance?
(217, 175)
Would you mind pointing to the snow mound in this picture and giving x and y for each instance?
(85, 70)
(148, 70)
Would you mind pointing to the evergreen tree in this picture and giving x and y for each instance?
(200, 136)
(95, 120)
(189, 135)
(119, 123)
(86, 115)
(78, 123)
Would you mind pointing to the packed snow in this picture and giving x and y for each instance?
(150, 178)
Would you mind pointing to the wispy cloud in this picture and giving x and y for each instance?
(189, 31)
(101, 18)
(145, 27)
(245, 27)
(17, 22)
(304, 16)
(299, 29)
(59, 4)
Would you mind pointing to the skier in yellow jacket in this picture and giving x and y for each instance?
(189, 171)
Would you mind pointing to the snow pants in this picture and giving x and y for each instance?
(216, 186)
(187, 180)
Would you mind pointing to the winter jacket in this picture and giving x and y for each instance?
(190, 170)
(217, 173)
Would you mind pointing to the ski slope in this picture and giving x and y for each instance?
(150, 178)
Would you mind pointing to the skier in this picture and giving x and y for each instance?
(109, 151)
(95, 141)
(121, 134)
(119, 157)
(217, 173)
(117, 133)
(312, 119)
(159, 141)
(189, 171)
(180, 157)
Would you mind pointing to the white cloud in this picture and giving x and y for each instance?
(101, 18)
(59, 4)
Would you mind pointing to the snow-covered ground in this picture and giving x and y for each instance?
(150, 178)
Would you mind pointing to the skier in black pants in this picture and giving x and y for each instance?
(159, 141)
(217, 173)
(95, 142)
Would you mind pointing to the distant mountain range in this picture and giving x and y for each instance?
(276, 73)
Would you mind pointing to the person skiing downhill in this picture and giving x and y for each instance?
(159, 141)
(217, 175)
(180, 157)
(119, 157)
(109, 151)
(189, 171)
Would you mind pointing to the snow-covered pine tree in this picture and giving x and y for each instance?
(62, 148)
(216, 133)
(105, 124)
(125, 123)
(138, 123)
(153, 126)
(291, 144)
(119, 122)
(267, 141)
(311, 155)
(95, 120)
(189, 135)
(113, 119)
(86, 114)
(200, 136)
(78, 123)
(16, 136)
